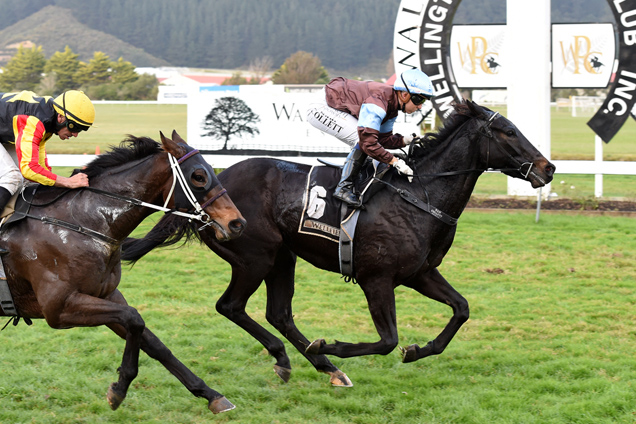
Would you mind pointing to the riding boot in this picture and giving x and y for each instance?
(5, 196)
(350, 170)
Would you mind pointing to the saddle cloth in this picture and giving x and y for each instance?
(321, 212)
(329, 218)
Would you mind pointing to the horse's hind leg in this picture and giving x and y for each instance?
(280, 291)
(158, 351)
(431, 284)
(81, 310)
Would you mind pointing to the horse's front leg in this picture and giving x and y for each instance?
(82, 310)
(381, 302)
(431, 284)
(158, 351)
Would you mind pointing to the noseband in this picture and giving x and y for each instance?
(484, 130)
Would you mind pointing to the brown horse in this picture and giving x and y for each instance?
(64, 261)
(402, 235)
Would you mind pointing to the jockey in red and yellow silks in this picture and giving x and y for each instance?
(31, 137)
(27, 122)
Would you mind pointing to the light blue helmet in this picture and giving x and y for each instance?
(414, 81)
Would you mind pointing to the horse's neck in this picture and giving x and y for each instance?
(451, 193)
(142, 182)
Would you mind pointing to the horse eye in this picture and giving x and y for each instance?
(198, 178)
(510, 133)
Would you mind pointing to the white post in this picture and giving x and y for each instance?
(598, 158)
(528, 49)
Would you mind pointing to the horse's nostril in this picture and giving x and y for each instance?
(237, 226)
(549, 170)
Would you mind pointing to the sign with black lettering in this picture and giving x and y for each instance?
(422, 40)
(622, 96)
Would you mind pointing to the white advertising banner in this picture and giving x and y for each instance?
(475, 54)
(582, 55)
(265, 121)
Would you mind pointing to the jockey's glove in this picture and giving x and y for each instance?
(413, 138)
(404, 169)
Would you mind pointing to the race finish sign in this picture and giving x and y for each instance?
(622, 96)
(469, 57)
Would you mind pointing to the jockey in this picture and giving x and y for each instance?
(362, 114)
(28, 122)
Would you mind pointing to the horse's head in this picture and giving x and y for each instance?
(506, 149)
(197, 190)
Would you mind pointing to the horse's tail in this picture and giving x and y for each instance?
(168, 231)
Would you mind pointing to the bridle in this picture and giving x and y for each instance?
(485, 131)
(191, 193)
(186, 191)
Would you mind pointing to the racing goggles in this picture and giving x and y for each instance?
(74, 127)
(416, 98)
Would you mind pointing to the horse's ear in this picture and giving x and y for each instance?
(171, 146)
(474, 108)
(177, 138)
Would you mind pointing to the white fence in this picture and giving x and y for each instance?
(597, 167)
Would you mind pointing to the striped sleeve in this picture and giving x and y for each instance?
(30, 138)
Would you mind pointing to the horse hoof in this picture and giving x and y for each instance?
(409, 354)
(220, 405)
(114, 399)
(339, 379)
(283, 373)
(314, 347)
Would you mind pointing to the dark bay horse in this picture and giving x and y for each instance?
(64, 260)
(395, 243)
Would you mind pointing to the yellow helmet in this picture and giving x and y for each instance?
(77, 108)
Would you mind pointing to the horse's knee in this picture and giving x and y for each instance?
(134, 323)
(462, 312)
(224, 308)
(387, 346)
(278, 321)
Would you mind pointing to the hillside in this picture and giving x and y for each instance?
(352, 35)
(43, 28)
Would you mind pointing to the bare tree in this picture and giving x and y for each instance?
(230, 116)
(259, 68)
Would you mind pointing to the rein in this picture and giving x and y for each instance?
(177, 173)
(483, 130)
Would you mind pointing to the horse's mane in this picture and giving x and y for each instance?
(463, 112)
(130, 149)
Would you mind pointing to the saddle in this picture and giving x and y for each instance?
(365, 183)
(18, 206)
